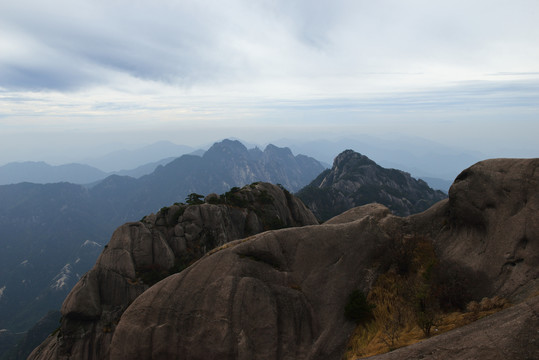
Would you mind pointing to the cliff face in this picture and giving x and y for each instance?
(281, 294)
(356, 180)
(141, 253)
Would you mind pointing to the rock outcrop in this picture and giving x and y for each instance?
(43, 225)
(281, 294)
(356, 180)
(141, 253)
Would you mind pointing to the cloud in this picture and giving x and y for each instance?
(63, 45)
(101, 65)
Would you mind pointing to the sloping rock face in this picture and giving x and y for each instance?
(356, 180)
(142, 253)
(491, 226)
(281, 294)
(509, 334)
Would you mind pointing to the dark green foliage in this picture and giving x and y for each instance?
(164, 210)
(233, 198)
(264, 197)
(194, 199)
(214, 200)
(357, 308)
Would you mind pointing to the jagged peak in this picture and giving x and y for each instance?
(350, 155)
(228, 144)
(272, 149)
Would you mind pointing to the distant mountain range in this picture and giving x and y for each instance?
(131, 159)
(47, 228)
(433, 162)
(420, 157)
(52, 233)
(43, 173)
(133, 163)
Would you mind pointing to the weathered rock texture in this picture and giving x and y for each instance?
(356, 180)
(510, 334)
(281, 294)
(141, 253)
(43, 225)
(491, 225)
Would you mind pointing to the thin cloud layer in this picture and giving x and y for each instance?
(100, 64)
(64, 45)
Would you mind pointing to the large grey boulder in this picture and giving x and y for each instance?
(278, 295)
(492, 225)
(281, 294)
(140, 253)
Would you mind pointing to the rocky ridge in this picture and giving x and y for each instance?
(44, 225)
(141, 253)
(356, 180)
(282, 293)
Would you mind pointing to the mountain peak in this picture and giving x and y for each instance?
(356, 180)
(274, 149)
(353, 158)
(228, 147)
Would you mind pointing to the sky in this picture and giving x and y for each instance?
(80, 76)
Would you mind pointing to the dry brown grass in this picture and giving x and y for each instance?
(371, 338)
(394, 324)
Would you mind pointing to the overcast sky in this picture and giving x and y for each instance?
(75, 74)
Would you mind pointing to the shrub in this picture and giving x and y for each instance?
(194, 199)
(357, 308)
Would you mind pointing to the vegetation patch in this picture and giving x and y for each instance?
(415, 298)
(357, 308)
(194, 199)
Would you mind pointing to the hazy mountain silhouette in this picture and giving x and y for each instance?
(119, 160)
(43, 173)
(417, 156)
(44, 226)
